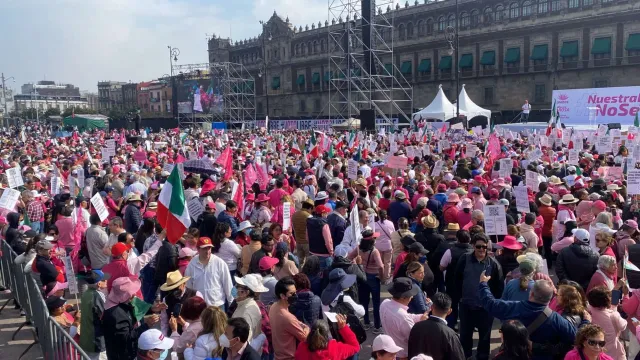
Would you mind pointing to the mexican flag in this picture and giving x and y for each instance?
(315, 149)
(552, 119)
(295, 149)
(173, 214)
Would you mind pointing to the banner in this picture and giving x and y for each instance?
(317, 124)
(101, 209)
(613, 105)
(495, 220)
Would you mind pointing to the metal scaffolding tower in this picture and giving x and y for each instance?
(230, 94)
(363, 73)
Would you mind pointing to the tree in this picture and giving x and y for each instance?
(54, 111)
(29, 113)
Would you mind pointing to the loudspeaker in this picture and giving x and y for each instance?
(614, 126)
(367, 120)
(368, 12)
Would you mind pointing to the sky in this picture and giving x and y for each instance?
(85, 41)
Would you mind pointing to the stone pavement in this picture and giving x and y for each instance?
(10, 320)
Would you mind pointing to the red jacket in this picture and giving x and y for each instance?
(548, 213)
(335, 350)
(117, 269)
(450, 213)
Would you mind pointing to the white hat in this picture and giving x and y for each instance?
(386, 343)
(571, 168)
(253, 282)
(245, 225)
(581, 235)
(322, 195)
(154, 339)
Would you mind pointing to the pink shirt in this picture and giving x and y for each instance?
(275, 196)
(65, 227)
(559, 245)
(397, 323)
(612, 324)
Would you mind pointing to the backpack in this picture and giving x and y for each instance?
(353, 321)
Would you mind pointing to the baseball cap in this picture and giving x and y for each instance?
(204, 242)
(386, 343)
(581, 235)
(154, 339)
(267, 262)
(322, 209)
(600, 205)
(504, 202)
(119, 249)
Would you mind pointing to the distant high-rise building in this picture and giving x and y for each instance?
(46, 94)
(110, 95)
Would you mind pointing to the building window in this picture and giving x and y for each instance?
(316, 105)
(606, 1)
(303, 106)
(451, 20)
(601, 51)
(569, 54)
(499, 13)
(573, 4)
(555, 5)
(527, 8)
(488, 95)
(601, 84)
(587, 2)
(543, 6)
(475, 18)
(465, 21)
(514, 10)
(401, 32)
(429, 26)
(488, 15)
(409, 30)
(441, 23)
(421, 31)
(540, 93)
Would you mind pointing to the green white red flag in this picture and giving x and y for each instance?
(173, 214)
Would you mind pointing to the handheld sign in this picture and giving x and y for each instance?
(495, 220)
(195, 208)
(522, 199)
(633, 182)
(14, 177)
(101, 209)
(9, 199)
(286, 216)
(352, 169)
(71, 276)
(397, 162)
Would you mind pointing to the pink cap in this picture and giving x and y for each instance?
(600, 205)
(631, 223)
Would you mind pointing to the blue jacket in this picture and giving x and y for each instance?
(224, 217)
(418, 304)
(555, 329)
(397, 210)
(337, 225)
(512, 291)
(441, 197)
(308, 307)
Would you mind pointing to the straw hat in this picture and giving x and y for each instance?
(174, 279)
(568, 199)
(430, 222)
(555, 180)
(546, 200)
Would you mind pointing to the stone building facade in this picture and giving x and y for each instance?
(509, 51)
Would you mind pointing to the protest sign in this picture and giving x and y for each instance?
(506, 166)
(55, 185)
(14, 177)
(373, 146)
(495, 220)
(352, 169)
(437, 168)
(532, 180)
(193, 155)
(471, 150)
(71, 276)
(604, 143)
(397, 162)
(535, 155)
(633, 182)
(286, 216)
(81, 178)
(426, 150)
(101, 209)
(105, 155)
(444, 145)
(573, 157)
(140, 156)
(195, 208)
(9, 199)
(522, 198)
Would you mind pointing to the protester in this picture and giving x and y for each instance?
(319, 346)
(153, 345)
(286, 329)
(92, 306)
(609, 321)
(235, 341)
(209, 275)
(208, 344)
(590, 344)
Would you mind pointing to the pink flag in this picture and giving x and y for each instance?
(494, 146)
(123, 137)
(226, 161)
(250, 176)
(263, 179)
(200, 151)
(180, 159)
(238, 197)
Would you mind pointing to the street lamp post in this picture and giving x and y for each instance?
(173, 56)
(264, 68)
(451, 35)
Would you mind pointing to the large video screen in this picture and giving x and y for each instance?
(204, 94)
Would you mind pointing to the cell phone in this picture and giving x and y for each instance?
(634, 319)
(616, 295)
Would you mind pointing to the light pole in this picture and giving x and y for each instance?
(451, 35)
(264, 69)
(173, 56)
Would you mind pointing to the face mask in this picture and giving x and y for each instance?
(224, 342)
(164, 355)
(292, 299)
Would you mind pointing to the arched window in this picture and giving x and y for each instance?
(499, 13)
(316, 47)
(323, 46)
(429, 26)
(543, 6)
(488, 15)
(527, 8)
(475, 18)
(303, 49)
(464, 20)
(310, 48)
(514, 10)
(409, 30)
(401, 32)
(451, 20)
(297, 50)
(441, 23)
(421, 31)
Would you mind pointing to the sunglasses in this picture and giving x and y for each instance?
(481, 247)
(596, 343)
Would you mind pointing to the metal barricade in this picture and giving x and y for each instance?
(55, 342)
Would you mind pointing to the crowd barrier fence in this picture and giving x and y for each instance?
(55, 342)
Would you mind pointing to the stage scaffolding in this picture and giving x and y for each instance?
(232, 89)
(363, 71)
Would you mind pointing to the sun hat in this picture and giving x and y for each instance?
(632, 224)
(402, 287)
(452, 227)
(581, 235)
(122, 289)
(57, 287)
(504, 202)
(245, 225)
(322, 195)
(253, 282)
(174, 279)
(546, 200)
(467, 203)
(568, 199)
(267, 262)
(453, 198)
(386, 343)
(613, 187)
(338, 281)
(262, 198)
(187, 252)
(526, 267)
(430, 221)
(152, 205)
(204, 242)
(154, 339)
(555, 180)
(510, 242)
(132, 197)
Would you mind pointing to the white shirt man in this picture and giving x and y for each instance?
(526, 108)
(209, 275)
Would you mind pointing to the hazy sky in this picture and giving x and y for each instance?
(85, 41)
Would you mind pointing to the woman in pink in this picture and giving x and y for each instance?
(590, 344)
(609, 320)
(66, 228)
(464, 215)
(569, 236)
(584, 214)
(383, 243)
(606, 275)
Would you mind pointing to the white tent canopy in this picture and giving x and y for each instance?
(440, 108)
(470, 108)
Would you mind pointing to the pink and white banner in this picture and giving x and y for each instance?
(597, 105)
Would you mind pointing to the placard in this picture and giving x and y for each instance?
(495, 220)
(352, 169)
(573, 157)
(193, 155)
(506, 166)
(355, 221)
(532, 180)
(444, 145)
(14, 177)
(522, 198)
(9, 199)
(437, 168)
(81, 180)
(397, 162)
(105, 155)
(471, 151)
(55, 185)
(71, 182)
(71, 276)
(633, 182)
(426, 150)
(286, 216)
(101, 209)
(604, 144)
(535, 155)
(140, 156)
(195, 208)
(373, 146)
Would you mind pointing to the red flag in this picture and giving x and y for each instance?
(226, 161)
(238, 197)
(315, 152)
(250, 176)
(180, 159)
(263, 179)
(365, 153)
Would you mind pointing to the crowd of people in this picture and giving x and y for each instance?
(292, 239)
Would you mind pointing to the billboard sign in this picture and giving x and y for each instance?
(612, 105)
